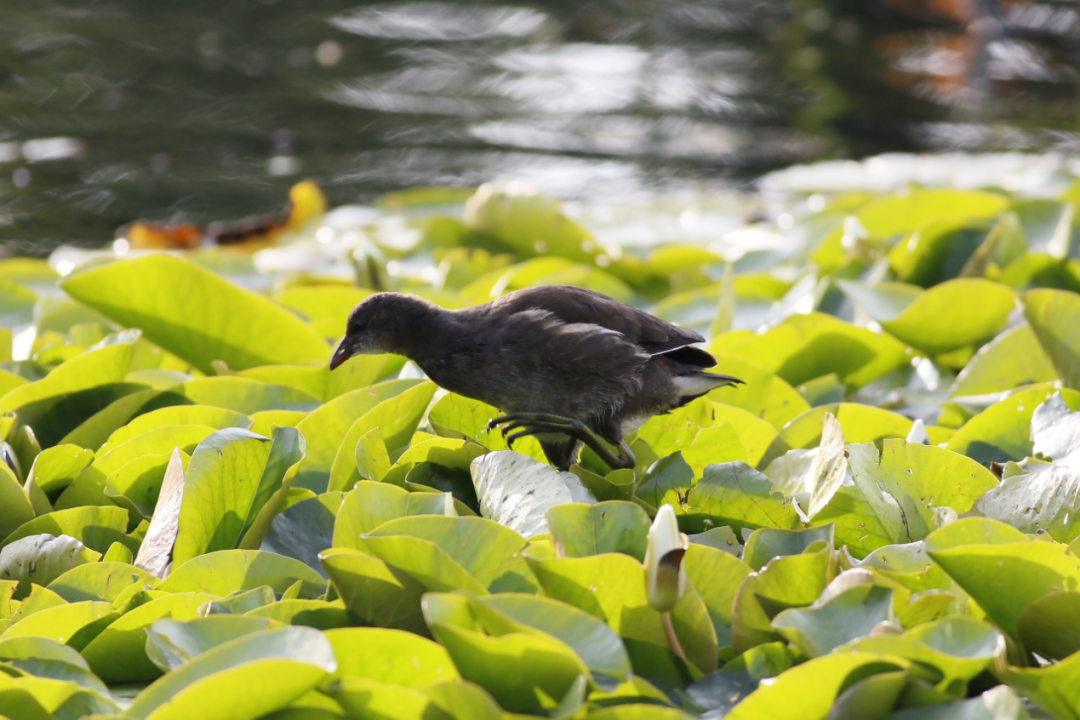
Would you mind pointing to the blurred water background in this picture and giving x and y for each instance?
(116, 109)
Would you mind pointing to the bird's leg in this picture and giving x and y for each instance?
(537, 423)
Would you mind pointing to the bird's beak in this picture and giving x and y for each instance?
(343, 353)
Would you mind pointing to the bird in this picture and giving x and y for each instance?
(568, 365)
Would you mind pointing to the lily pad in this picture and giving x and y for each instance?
(1052, 315)
(151, 293)
(248, 677)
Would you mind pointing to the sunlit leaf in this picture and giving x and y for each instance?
(152, 293)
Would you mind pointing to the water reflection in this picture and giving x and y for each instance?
(120, 109)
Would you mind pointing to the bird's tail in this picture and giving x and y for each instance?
(695, 384)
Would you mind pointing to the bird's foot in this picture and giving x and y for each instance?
(518, 425)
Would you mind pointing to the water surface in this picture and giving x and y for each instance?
(118, 109)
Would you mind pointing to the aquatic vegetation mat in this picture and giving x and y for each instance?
(197, 519)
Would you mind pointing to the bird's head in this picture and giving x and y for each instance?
(382, 323)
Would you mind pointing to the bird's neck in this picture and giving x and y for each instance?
(424, 332)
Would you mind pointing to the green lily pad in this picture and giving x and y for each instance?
(612, 587)
(522, 671)
(698, 431)
(597, 645)
(1042, 501)
(816, 684)
(737, 495)
(959, 648)
(63, 623)
(1010, 360)
(95, 527)
(72, 392)
(374, 591)
(305, 529)
(859, 424)
(231, 475)
(171, 644)
(391, 656)
(227, 571)
(765, 395)
(151, 293)
(516, 491)
(804, 347)
(248, 677)
(207, 415)
(41, 559)
(370, 504)
(325, 428)
(99, 581)
(789, 581)
(245, 396)
(1055, 688)
(118, 653)
(581, 530)
(1049, 625)
(461, 417)
(317, 614)
(1052, 315)
(844, 617)
(945, 317)
(325, 307)
(716, 575)
(487, 550)
(528, 223)
(903, 484)
(396, 418)
(1002, 431)
(15, 507)
(999, 702)
(56, 467)
(1004, 578)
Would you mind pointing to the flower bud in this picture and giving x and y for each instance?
(665, 582)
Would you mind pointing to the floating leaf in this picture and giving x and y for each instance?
(1009, 361)
(1004, 578)
(396, 418)
(152, 292)
(118, 653)
(78, 388)
(248, 677)
(805, 347)
(99, 581)
(305, 529)
(903, 484)
(377, 593)
(370, 504)
(325, 428)
(837, 620)
(816, 683)
(735, 494)
(612, 587)
(231, 475)
(42, 558)
(95, 527)
(517, 491)
(1052, 315)
(1001, 432)
(227, 571)
(581, 530)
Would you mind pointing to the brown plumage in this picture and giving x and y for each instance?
(565, 364)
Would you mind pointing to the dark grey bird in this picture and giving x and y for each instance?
(565, 364)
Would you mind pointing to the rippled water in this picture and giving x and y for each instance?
(118, 109)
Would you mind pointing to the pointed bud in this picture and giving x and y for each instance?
(665, 582)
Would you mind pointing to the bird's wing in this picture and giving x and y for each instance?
(586, 365)
(580, 305)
